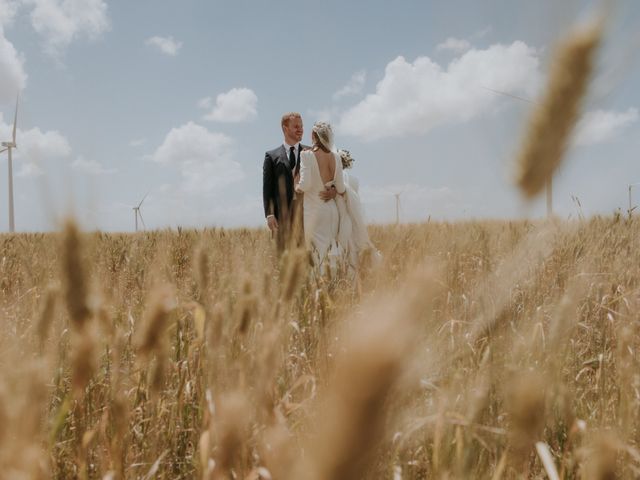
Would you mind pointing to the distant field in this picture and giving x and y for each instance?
(476, 350)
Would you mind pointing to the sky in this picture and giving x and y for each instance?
(179, 100)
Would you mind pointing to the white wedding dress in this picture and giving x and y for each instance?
(327, 226)
(335, 231)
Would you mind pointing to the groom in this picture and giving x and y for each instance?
(280, 172)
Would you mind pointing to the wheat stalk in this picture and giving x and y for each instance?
(550, 126)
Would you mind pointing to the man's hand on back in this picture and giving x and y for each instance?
(328, 194)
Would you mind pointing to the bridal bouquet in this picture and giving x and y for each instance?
(347, 159)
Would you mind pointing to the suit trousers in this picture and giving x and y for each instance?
(291, 226)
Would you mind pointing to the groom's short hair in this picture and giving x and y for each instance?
(287, 116)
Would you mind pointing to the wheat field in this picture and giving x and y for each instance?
(487, 349)
(480, 349)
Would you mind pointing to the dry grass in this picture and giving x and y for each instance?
(202, 355)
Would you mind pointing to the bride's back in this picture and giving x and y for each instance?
(319, 166)
(326, 165)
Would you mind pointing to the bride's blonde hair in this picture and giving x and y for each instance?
(322, 136)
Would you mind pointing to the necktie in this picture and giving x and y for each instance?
(292, 158)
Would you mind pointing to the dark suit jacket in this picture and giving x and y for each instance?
(277, 182)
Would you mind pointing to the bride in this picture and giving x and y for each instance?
(334, 230)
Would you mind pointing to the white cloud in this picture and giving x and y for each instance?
(204, 158)
(603, 125)
(35, 146)
(91, 167)
(34, 143)
(8, 10)
(414, 98)
(353, 87)
(60, 22)
(236, 105)
(137, 142)
(455, 45)
(13, 78)
(166, 45)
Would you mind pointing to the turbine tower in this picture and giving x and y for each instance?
(137, 213)
(8, 147)
(397, 195)
(631, 208)
(549, 187)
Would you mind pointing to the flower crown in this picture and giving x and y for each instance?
(347, 159)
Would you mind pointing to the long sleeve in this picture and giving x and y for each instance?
(268, 185)
(305, 173)
(340, 188)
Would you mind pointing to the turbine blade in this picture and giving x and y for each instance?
(121, 205)
(15, 119)
(145, 196)
(507, 94)
(142, 220)
(5, 149)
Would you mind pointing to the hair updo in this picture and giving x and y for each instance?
(322, 136)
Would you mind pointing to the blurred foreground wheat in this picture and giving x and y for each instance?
(478, 350)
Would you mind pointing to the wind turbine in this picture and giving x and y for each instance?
(8, 147)
(631, 209)
(549, 183)
(138, 213)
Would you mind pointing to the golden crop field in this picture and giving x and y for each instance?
(476, 350)
(480, 349)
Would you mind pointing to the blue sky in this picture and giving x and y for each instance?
(182, 98)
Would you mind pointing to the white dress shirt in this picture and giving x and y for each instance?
(296, 150)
